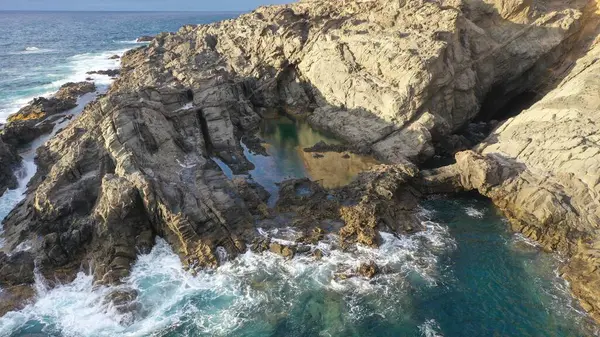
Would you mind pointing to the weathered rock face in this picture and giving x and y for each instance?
(376, 73)
(38, 117)
(542, 168)
(388, 77)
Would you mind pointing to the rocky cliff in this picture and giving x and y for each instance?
(388, 77)
(542, 169)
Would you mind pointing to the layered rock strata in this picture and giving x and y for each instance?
(39, 116)
(389, 77)
(542, 169)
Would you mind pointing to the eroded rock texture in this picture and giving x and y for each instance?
(39, 116)
(542, 169)
(389, 77)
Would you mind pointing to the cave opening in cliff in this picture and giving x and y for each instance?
(498, 109)
(495, 110)
(189, 94)
(204, 128)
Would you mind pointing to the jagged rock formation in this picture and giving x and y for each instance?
(389, 77)
(38, 117)
(542, 168)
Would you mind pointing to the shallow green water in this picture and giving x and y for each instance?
(464, 275)
(284, 139)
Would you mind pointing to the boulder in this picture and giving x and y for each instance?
(145, 38)
(283, 250)
(109, 72)
(368, 270)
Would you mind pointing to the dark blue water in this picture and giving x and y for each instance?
(39, 51)
(465, 275)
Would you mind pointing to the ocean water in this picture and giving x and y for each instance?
(464, 275)
(40, 51)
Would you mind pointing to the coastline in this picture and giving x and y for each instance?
(114, 165)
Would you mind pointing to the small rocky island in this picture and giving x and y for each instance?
(406, 82)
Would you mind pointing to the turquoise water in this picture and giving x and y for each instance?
(464, 275)
(39, 51)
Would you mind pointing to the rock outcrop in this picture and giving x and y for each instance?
(145, 38)
(109, 72)
(38, 117)
(389, 77)
(542, 168)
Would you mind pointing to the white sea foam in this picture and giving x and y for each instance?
(518, 237)
(83, 63)
(474, 212)
(33, 50)
(430, 329)
(250, 288)
(131, 42)
(75, 70)
(12, 197)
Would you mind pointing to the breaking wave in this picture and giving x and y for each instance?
(33, 50)
(75, 70)
(248, 295)
(430, 329)
(474, 212)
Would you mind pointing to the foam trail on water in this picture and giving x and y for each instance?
(244, 294)
(75, 70)
(430, 329)
(12, 197)
(474, 212)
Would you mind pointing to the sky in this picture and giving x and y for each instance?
(137, 5)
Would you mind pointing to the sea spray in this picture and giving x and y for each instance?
(244, 294)
(74, 70)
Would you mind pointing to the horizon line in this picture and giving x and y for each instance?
(122, 11)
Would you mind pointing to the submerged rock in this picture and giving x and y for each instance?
(386, 77)
(285, 251)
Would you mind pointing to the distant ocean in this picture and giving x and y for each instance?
(40, 51)
(465, 274)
